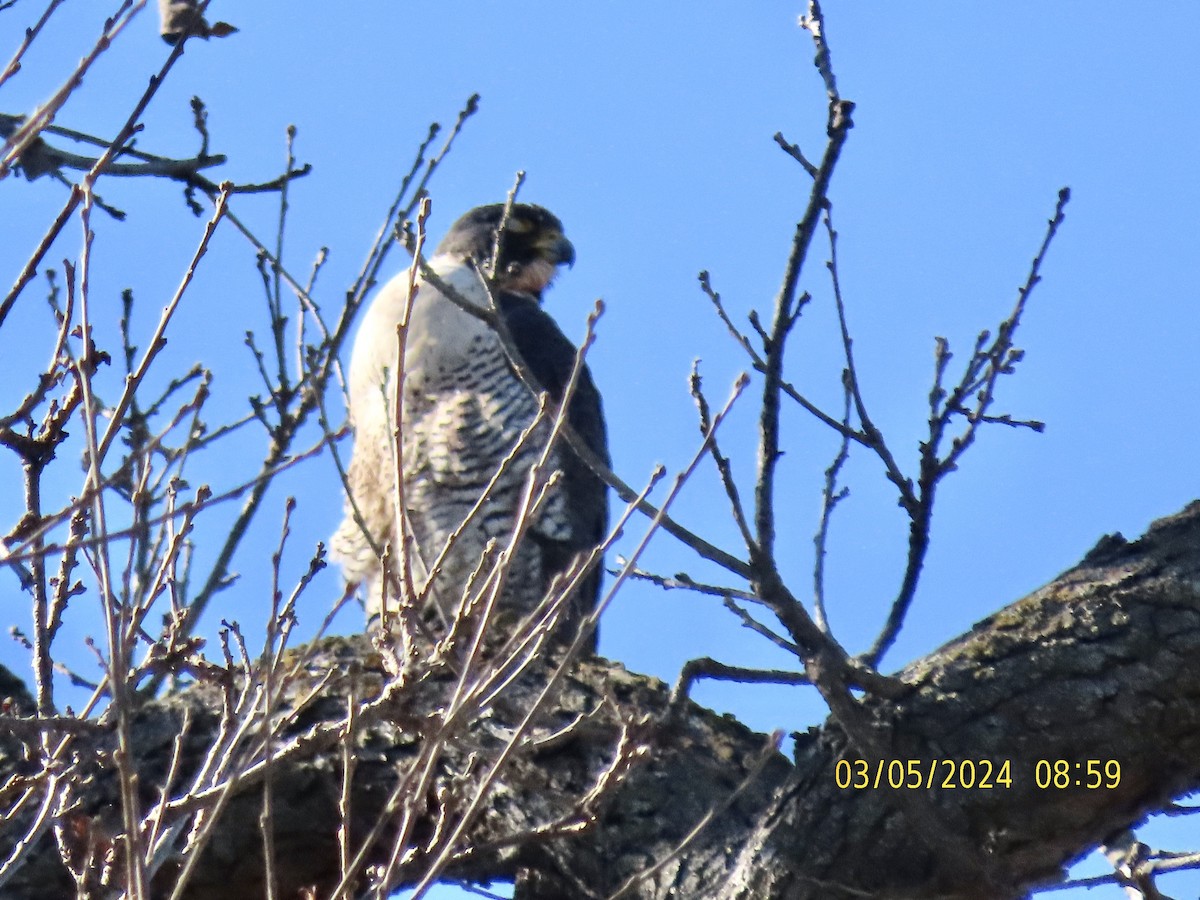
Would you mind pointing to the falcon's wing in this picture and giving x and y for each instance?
(550, 357)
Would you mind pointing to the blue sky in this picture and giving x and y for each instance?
(647, 128)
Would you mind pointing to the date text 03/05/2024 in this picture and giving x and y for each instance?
(973, 774)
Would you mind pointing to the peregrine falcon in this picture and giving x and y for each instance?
(464, 409)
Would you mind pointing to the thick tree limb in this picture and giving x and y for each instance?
(1103, 663)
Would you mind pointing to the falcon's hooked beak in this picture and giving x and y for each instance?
(555, 248)
(550, 250)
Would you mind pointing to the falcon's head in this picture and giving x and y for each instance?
(531, 249)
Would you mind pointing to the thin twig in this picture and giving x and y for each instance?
(987, 364)
(724, 466)
(707, 667)
(831, 496)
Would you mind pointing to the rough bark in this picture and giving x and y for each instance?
(1103, 663)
